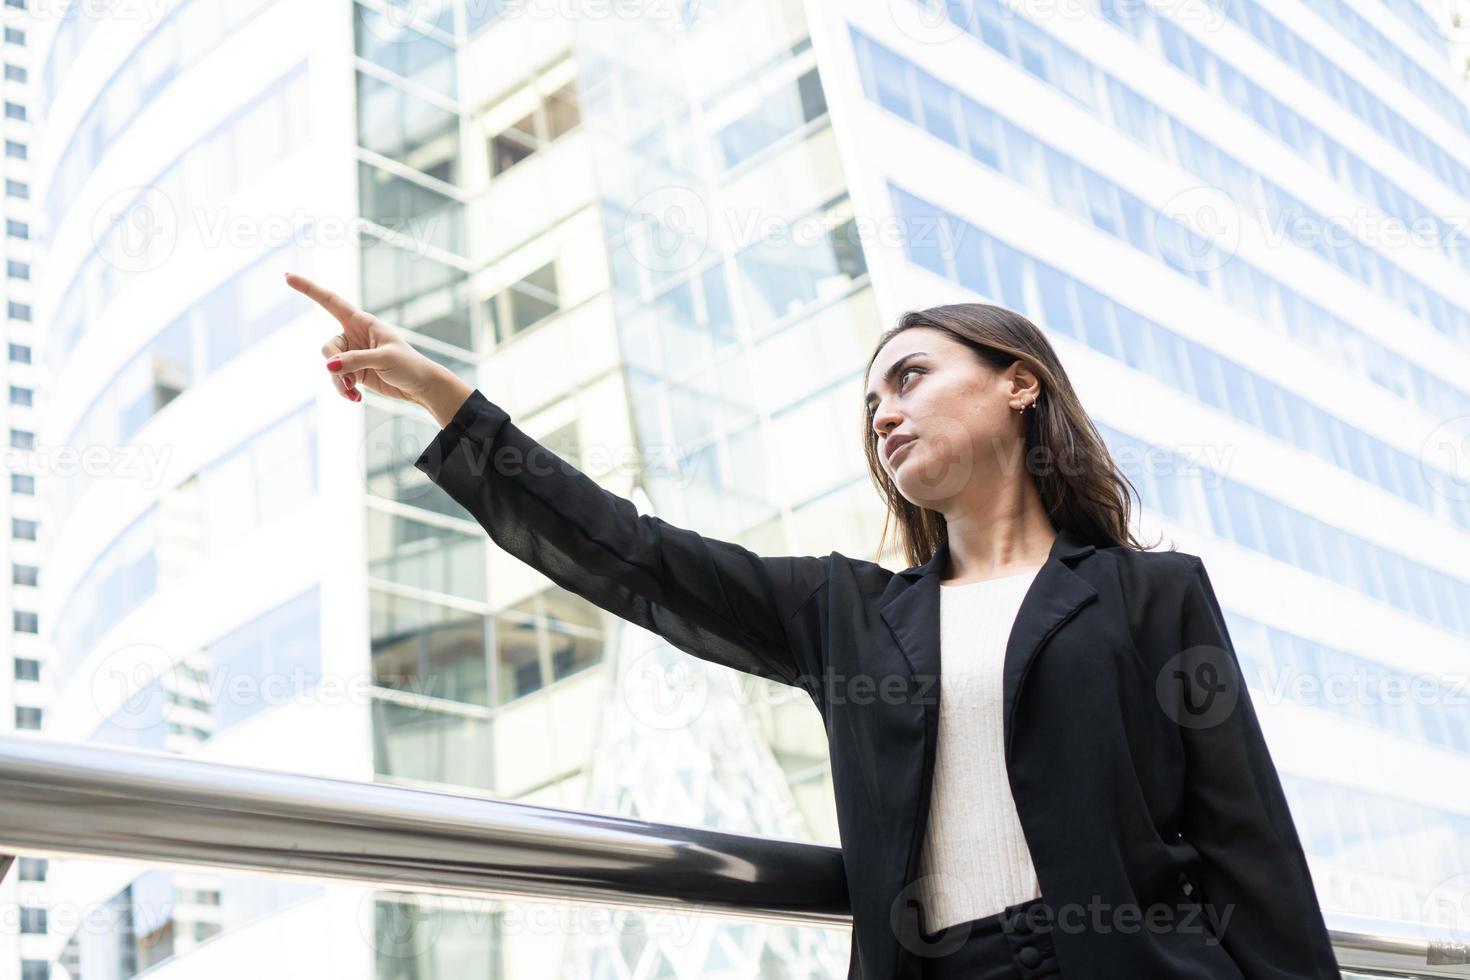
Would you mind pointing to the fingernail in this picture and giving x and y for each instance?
(356, 395)
(335, 364)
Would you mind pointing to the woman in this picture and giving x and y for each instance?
(1098, 802)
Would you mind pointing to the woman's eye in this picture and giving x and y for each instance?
(905, 374)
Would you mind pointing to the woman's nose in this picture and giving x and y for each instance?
(885, 422)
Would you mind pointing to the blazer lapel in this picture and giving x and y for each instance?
(912, 614)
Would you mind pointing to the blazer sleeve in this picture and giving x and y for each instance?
(713, 599)
(1252, 866)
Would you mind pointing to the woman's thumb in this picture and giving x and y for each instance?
(357, 360)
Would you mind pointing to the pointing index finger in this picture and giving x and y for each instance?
(334, 304)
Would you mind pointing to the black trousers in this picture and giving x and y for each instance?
(1013, 944)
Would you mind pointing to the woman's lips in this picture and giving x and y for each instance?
(900, 452)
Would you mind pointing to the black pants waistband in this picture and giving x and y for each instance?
(1012, 944)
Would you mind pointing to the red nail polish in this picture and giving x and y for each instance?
(335, 364)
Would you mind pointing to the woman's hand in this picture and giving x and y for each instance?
(369, 351)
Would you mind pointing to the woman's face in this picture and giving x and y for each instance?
(942, 416)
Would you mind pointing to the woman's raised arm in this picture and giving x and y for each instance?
(714, 599)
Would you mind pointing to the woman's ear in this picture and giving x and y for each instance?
(1024, 385)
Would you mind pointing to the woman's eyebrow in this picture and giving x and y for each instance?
(892, 372)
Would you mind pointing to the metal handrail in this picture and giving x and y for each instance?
(73, 799)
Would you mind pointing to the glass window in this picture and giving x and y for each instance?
(533, 298)
(1173, 365)
(418, 55)
(407, 128)
(1204, 369)
(1132, 337)
(1308, 549)
(508, 149)
(1097, 323)
(937, 101)
(1404, 585)
(1136, 222)
(1277, 531)
(1034, 46)
(993, 30)
(268, 662)
(971, 258)
(1102, 204)
(429, 649)
(924, 240)
(1366, 566)
(27, 718)
(32, 920)
(1064, 179)
(416, 291)
(562, 112)
(32, 869)
(425, 555)
(1238, 392)
(1023, 159)
(422, 743)
(893, 78)
(391, 444)
(980, 132)
(1275, 406)
(404, 206)
(1240, 503)
(27, 669)
(1010, 273)
(518, 670)
(1074, 76)
(574, 630)
(1056, 302)
(781, 278)
(421, 937)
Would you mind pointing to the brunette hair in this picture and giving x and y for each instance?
(1081, 486)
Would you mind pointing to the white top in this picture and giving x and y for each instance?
(975, 860)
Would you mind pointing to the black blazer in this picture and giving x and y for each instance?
(1155, 819)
